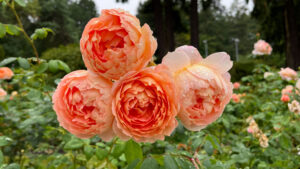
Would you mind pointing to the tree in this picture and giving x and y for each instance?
(194, 23)
(279, 25)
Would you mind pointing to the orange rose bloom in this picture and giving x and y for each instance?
(82, 104)
(115, 43)
(203, 84)
(6, 73)
(144, 105)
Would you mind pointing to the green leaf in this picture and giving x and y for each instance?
(118, 150)
(42, 67)
(12, 29)
(41, 33)
(214, 142)
(13, 166)
(133, 164)
(63, 66)
(101, 153)
(170, 162)
(2, 30)
(88, 151)
(23, 63)
(7, 61)
(21, 2)
(149, 163)
(53, 66)
(4, 141)
(285, 141)
(73, 144)
(1, 158)
(133, 151)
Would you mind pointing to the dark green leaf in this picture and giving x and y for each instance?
(101, 153)
(170, 162)
(133, 164)
(88, 151)
(149, 163)
(42, 67)
(214, 142)
(23, 63)
(73, 144)
(118, 150)
(2, 30)
(63, 66)
(53, 66)
(7, 61)
(21, 2)
(133, 151)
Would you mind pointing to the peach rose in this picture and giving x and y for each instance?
(236, 97)
(145, 105)
(287, 90)
(2, 94)
(236, 85)
(82, 104)
(288, 74)
(204, 85)
(115, 43)
(285, 98)
(6, 73)
(261, 47)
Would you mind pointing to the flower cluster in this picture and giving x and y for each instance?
(257, 133)
(119, 96)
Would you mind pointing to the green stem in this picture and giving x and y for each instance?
(12, 7)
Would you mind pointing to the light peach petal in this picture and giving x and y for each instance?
(219, 61)
(191, 52)
(176, 61)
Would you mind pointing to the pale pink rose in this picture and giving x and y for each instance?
(236, 85)
(145, 105)
(115, 43)
(2, 94)
(82, 102)
(285, 98)
(236, 97)
(6, 73)
(287, 90)
(261, 47)
(294, 107)
(288, 74)
(203, 84)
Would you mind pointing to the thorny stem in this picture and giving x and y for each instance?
(12, 7)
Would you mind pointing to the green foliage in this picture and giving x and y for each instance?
(70, 54)
(41, 33)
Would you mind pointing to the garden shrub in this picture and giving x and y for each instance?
(70, 54)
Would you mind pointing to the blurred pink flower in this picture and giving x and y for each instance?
(294, 107)
(288, 74)
(261, 47)
(285, 98)
(236, 85)
(2, 94)
(288, 89)
(236, 97)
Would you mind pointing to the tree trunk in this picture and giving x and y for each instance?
(292, 40)
(159, 29)
(194, 24)
(169, 25)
